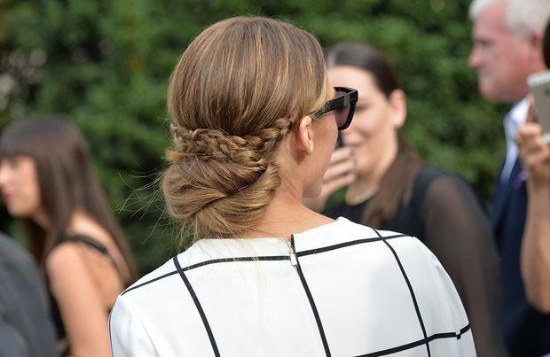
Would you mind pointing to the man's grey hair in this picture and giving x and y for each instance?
(523, 17)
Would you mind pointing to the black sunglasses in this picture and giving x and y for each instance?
(343, 104)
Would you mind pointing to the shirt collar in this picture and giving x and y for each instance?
(516, 116)
(512, 121)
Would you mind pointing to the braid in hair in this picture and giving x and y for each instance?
(216, 179)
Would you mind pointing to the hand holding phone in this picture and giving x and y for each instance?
(539, 86)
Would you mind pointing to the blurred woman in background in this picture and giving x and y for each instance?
(389, 187)
(47, 182)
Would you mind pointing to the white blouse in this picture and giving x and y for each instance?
(341, 289)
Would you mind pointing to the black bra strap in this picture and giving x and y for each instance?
(102, 249)
(89, 242)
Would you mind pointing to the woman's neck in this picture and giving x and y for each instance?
(285, 215)
(41, 219)
(360, 191)
(368, 183)
(81, 223)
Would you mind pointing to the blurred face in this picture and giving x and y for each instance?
(373, 132)
(19, 186)
(500, 58)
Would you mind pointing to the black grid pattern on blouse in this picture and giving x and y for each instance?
(399, 348)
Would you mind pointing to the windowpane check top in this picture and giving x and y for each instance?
(341, 289)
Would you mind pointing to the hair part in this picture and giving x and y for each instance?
(369, 59)
(65, 178)
(237, 91)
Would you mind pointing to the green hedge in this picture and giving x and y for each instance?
(106, 64)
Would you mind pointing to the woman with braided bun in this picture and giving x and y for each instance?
(254, 124)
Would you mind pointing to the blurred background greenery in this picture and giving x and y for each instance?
(105, 63)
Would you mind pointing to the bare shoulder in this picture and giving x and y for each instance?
(66, 269)
(66, 255)
(64, 261)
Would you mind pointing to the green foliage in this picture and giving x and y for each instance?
(107, 64)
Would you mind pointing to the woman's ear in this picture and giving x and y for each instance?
(398, 102)
(304, 135)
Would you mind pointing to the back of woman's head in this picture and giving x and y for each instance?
(237, 91)
(367, 58)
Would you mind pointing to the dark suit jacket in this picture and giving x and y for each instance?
(25, 326)
(527, 331)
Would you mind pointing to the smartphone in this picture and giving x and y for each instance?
(539, 86)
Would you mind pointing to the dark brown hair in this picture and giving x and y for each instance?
(236, 92)
(66, 181)
(397, 183)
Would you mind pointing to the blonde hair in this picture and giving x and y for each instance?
(236, 92)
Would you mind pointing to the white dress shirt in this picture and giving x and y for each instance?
(512, 121)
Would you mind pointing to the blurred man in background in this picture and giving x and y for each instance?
(507, 48)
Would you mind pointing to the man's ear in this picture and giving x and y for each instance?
(398, 102)
(535, 42)
(304, 135)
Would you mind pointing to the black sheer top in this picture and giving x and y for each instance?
(448, 218)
